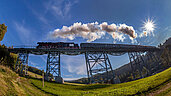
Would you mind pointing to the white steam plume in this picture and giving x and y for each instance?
(93, 31)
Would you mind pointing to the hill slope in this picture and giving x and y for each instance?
(137, 87)
(164, 90)
(12, 84)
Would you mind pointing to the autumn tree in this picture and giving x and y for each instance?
(3, 30)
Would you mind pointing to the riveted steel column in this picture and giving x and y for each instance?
(115, 77)
(138, 61)
(135, 61)
(148, 64)
(53, 65)
(87, 66)
(106, 67)
(131, 62)
(97, 63)
(17, 64)
(151, 60)
(22, 63)
(25, 64)
(141, 60)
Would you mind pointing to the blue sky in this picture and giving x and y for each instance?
(30, 21)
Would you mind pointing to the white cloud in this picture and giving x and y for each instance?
(44, 58)
(40, 17)
(24, 33)
(70, 75)
(159, 36)
(57, 10)
(163, 34)
(74, 64)
(34, 64)
(38, 14)
(60, 8)
(70, 79)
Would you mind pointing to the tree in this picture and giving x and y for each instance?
(3, 30)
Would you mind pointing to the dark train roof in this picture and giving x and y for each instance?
(53, 42)
(94, 44)
(107, 44)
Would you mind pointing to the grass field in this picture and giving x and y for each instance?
(12, 84)
(141, 86)
(34, 75)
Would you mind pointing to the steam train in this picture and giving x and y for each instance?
(110, 46)
(71, 45)
(57, 45)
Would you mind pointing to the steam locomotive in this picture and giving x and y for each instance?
(57, 45)
(71, 45)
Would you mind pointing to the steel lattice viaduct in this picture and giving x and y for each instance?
(96, 54)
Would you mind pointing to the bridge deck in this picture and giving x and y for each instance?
(81, 51)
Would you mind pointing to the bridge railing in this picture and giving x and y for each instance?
(24, 46)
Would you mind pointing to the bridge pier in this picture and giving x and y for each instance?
(135, 60)
(151, 58)
(22, 63)
(53, 67)
(98, 63)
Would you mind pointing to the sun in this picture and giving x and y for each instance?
(149, 25)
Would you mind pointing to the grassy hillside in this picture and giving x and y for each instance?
(141, 86)
(34, 75)
(163, 90)
(12, 84)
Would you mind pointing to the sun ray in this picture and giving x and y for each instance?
(149, 25)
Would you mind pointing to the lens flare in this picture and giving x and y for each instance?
(149, 25)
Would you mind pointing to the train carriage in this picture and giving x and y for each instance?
(105, 46)
(57, 45)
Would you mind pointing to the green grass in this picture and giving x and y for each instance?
(34, 75)
(165, 93)
(13, 85)
(164, 90)
(141, 86)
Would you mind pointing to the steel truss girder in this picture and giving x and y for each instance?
(117, 53)
(53, 64)
(100, 61)
(137, 62)
(22, 63)
(151, 58)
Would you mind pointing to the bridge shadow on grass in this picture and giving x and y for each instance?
(44, 90)
(92, 87)
(75, 87)
(29, 77)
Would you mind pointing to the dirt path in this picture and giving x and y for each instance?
(162, 89)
